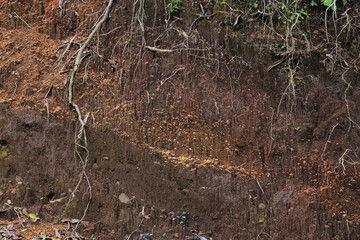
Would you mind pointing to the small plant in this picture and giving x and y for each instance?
(296, 128)
(254, 4)
(172, 6)
(332, 3)
(313, 3)
(294, 14)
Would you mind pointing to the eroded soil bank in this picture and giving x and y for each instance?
(39, 152)
(209, 125)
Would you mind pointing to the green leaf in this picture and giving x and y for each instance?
(313, 3)
(283, 6)
(327, 3)
(345, 2)
(32, 215)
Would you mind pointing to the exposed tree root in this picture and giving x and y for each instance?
(81, 150)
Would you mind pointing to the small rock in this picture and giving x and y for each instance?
(262, 206)
(18, 179)
(66, 220)
(74, 221)
(95, 166)
(209, 232)
(124, 198)
(29, 121)
(171, 214)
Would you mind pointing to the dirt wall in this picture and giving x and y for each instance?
(207, 127)
(39, 153)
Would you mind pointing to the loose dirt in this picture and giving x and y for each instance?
(195, 139)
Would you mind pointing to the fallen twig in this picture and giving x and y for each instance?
(23, 20)
(155, 49)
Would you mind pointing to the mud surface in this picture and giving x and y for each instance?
(39, 153)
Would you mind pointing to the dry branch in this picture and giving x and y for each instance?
(155, 49)
(16, 15)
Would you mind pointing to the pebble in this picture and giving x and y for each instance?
(171, 214)
(124, 198)
(209, 232)
(182, 216)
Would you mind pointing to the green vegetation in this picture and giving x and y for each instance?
(293, 14)
(332, 3)
(172, 6)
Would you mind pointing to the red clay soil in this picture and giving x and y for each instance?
(202, 137)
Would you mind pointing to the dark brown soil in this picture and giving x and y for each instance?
(203, 139)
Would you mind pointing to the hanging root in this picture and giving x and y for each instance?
(81, 150)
